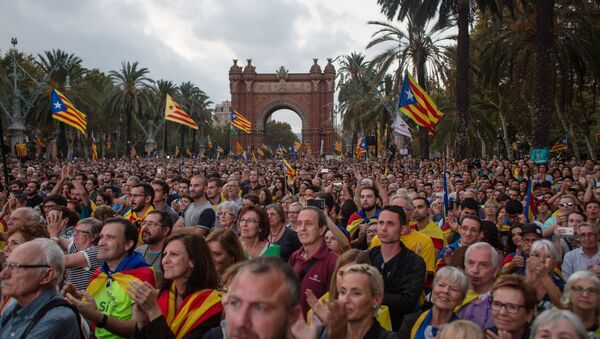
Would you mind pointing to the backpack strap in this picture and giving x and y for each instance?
(49, 306)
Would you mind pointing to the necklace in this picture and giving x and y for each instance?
(274, 239)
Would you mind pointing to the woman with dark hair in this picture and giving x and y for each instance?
(254, 233)
(187, 305)
(514, 258)
(225, 250)
(22, 233)
(279, 191)
(264, 197)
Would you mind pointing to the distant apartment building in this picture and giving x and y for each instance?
(223, 113)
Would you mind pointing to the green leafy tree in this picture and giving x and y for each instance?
(279, 133)
(132, 94)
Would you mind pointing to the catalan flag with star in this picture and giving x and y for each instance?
(64, 111)
(174, 112)
(240, 122)
(417, 105)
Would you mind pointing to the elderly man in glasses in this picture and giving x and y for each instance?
(30, 276)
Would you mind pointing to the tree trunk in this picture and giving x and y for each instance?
(543, 70)
(483, 145)
(590, 148)
(505, 135)
(193, 141)
(423, 132)
(128, 132)
(462, 79)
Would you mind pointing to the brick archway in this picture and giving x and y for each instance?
(310, 95)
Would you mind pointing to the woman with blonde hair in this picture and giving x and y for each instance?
(461, 329)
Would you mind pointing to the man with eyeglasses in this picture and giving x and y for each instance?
(586, 257)
(566, 205)
(292, 215)
(470, 233)
(30, 277)
(155, 230)
(140, 198)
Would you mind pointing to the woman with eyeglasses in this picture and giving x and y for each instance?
(542, 273)
(227, 216)
(254, 233)
(582, 297)
(513, 307)
(286, 238)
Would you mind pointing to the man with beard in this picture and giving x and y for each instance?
(262, 301)
(213, 192)
(199, 217)
(155, 230)
(368, 210)
(141, 197)
(33, 194)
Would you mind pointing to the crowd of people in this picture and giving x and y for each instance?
(387, 248)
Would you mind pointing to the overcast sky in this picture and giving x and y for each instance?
(192, 40)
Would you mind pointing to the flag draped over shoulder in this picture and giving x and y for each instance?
(195, 309)
(64, 111)
(529, 202)
(174, 112)
(240, 122)
(361, 147)
(417, 105)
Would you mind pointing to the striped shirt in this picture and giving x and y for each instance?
(80, 276)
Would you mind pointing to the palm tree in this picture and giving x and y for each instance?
(189, 96)
(132, 93)
(446, 10)
(420, 48)
(161, 89)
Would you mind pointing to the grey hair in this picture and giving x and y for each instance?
(136, 180)
(231, 206)
(587, 224)
(296, 204)
(483, 245)
(31, 214)
(404, 195)
(553, 316)
(95, 226)
(278, 209)
(52, 255)
(264, 265)
(548, 246)
(453, 275)
(375, 278)
(574, 278)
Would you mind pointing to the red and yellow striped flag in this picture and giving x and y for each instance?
(64, 111)
(174, 112)
(417, 105)
(239, 121)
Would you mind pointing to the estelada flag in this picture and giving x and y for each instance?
(238, 148)
(239, 121)
(361, 147)
(417, 105)
(94, 149)
(174, 112)
(64, 111)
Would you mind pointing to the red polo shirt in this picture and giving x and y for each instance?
(318, 276)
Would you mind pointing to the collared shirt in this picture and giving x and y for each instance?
(576, 260)
(318, 276)
(59, 322)
(476, 308)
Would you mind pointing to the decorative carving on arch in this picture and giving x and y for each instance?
(310, 95)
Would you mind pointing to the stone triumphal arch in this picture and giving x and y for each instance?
(310, 95)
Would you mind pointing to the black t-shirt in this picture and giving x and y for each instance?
(34, 201)
(289, 243)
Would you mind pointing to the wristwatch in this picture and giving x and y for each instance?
(102, 322)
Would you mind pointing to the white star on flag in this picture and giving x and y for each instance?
(57, 105)
(409, 95)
